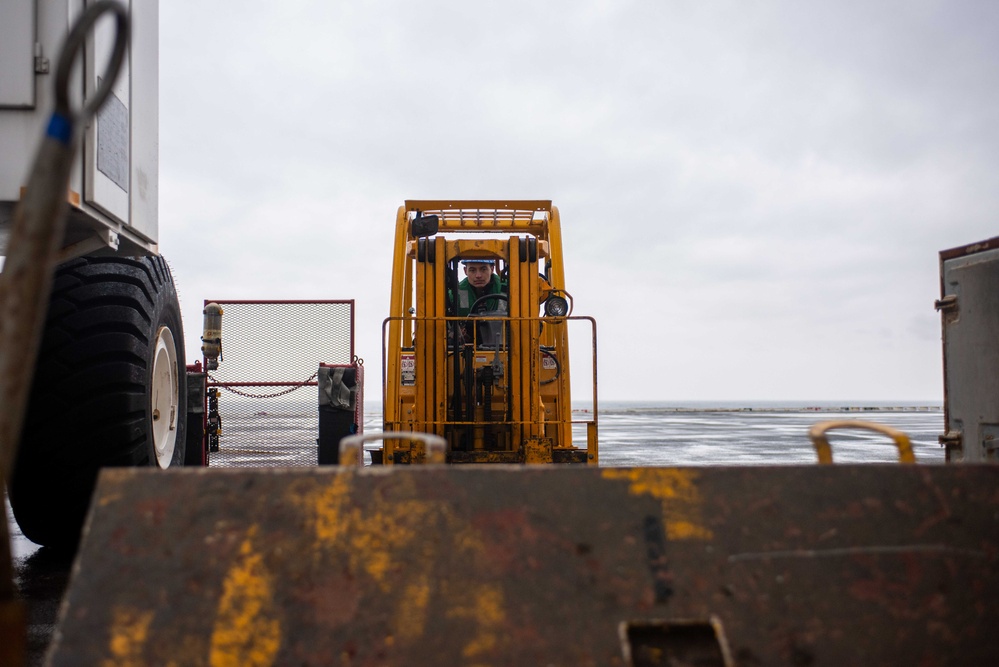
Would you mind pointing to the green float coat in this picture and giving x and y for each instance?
(467, 295)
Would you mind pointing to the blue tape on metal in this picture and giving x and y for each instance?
(60, 128)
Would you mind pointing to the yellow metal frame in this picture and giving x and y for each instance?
(820, 440)
(534, 423)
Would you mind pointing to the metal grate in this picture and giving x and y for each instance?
(476, 214)
(266, 379)
(478, 217)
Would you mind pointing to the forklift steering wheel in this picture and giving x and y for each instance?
(486, 297)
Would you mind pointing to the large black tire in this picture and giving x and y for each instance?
(109, 390)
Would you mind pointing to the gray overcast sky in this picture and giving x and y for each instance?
(753, 194)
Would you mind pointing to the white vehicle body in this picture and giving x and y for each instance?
(113, 191)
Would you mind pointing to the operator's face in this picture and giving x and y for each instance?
(478, 274)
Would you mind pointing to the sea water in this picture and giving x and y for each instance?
(283, 433)
(641, 434)
(746, 432)
(759, 434)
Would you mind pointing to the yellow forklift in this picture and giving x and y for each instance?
(486, 369)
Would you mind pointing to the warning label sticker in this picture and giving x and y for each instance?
(408, 370)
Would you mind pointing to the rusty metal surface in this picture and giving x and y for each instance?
(817, 565)
(13, 633)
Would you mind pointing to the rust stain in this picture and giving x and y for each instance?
(678, 492)
(247, 632)
(107, 500)
(129, 631)
(507, 533)
(942, 514)
(893, 588)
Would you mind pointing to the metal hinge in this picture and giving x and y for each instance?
(947, 304)
(950, 439)
(41, 62)
(990, 439)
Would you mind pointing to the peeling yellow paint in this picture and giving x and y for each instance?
(685, 530)
(485, 608)
(107, 498)
(381, 539)
(678, 492)
(657, 482)
(489, 604)
(328, 506)
(413, 609)
(247, 632)
(377, 537)
(129, 631)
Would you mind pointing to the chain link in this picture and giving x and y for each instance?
(279, 393)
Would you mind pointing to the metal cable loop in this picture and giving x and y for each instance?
(74, 45)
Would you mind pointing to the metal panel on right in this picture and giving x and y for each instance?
(113, 188)
(969, 309)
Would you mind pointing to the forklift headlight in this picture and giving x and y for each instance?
(556, 306)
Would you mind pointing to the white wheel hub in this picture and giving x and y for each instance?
(164, 391)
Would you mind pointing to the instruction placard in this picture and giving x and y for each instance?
(408, 370)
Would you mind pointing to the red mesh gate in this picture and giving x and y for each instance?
(264, 393)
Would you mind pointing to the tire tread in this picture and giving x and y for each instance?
(89, 399)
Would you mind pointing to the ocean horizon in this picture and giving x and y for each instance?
(824, 405)
(282, 431)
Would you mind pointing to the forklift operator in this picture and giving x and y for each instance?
(480, 281)
(477, 290)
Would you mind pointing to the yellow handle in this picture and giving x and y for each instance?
(352, 452)
(821, 443)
